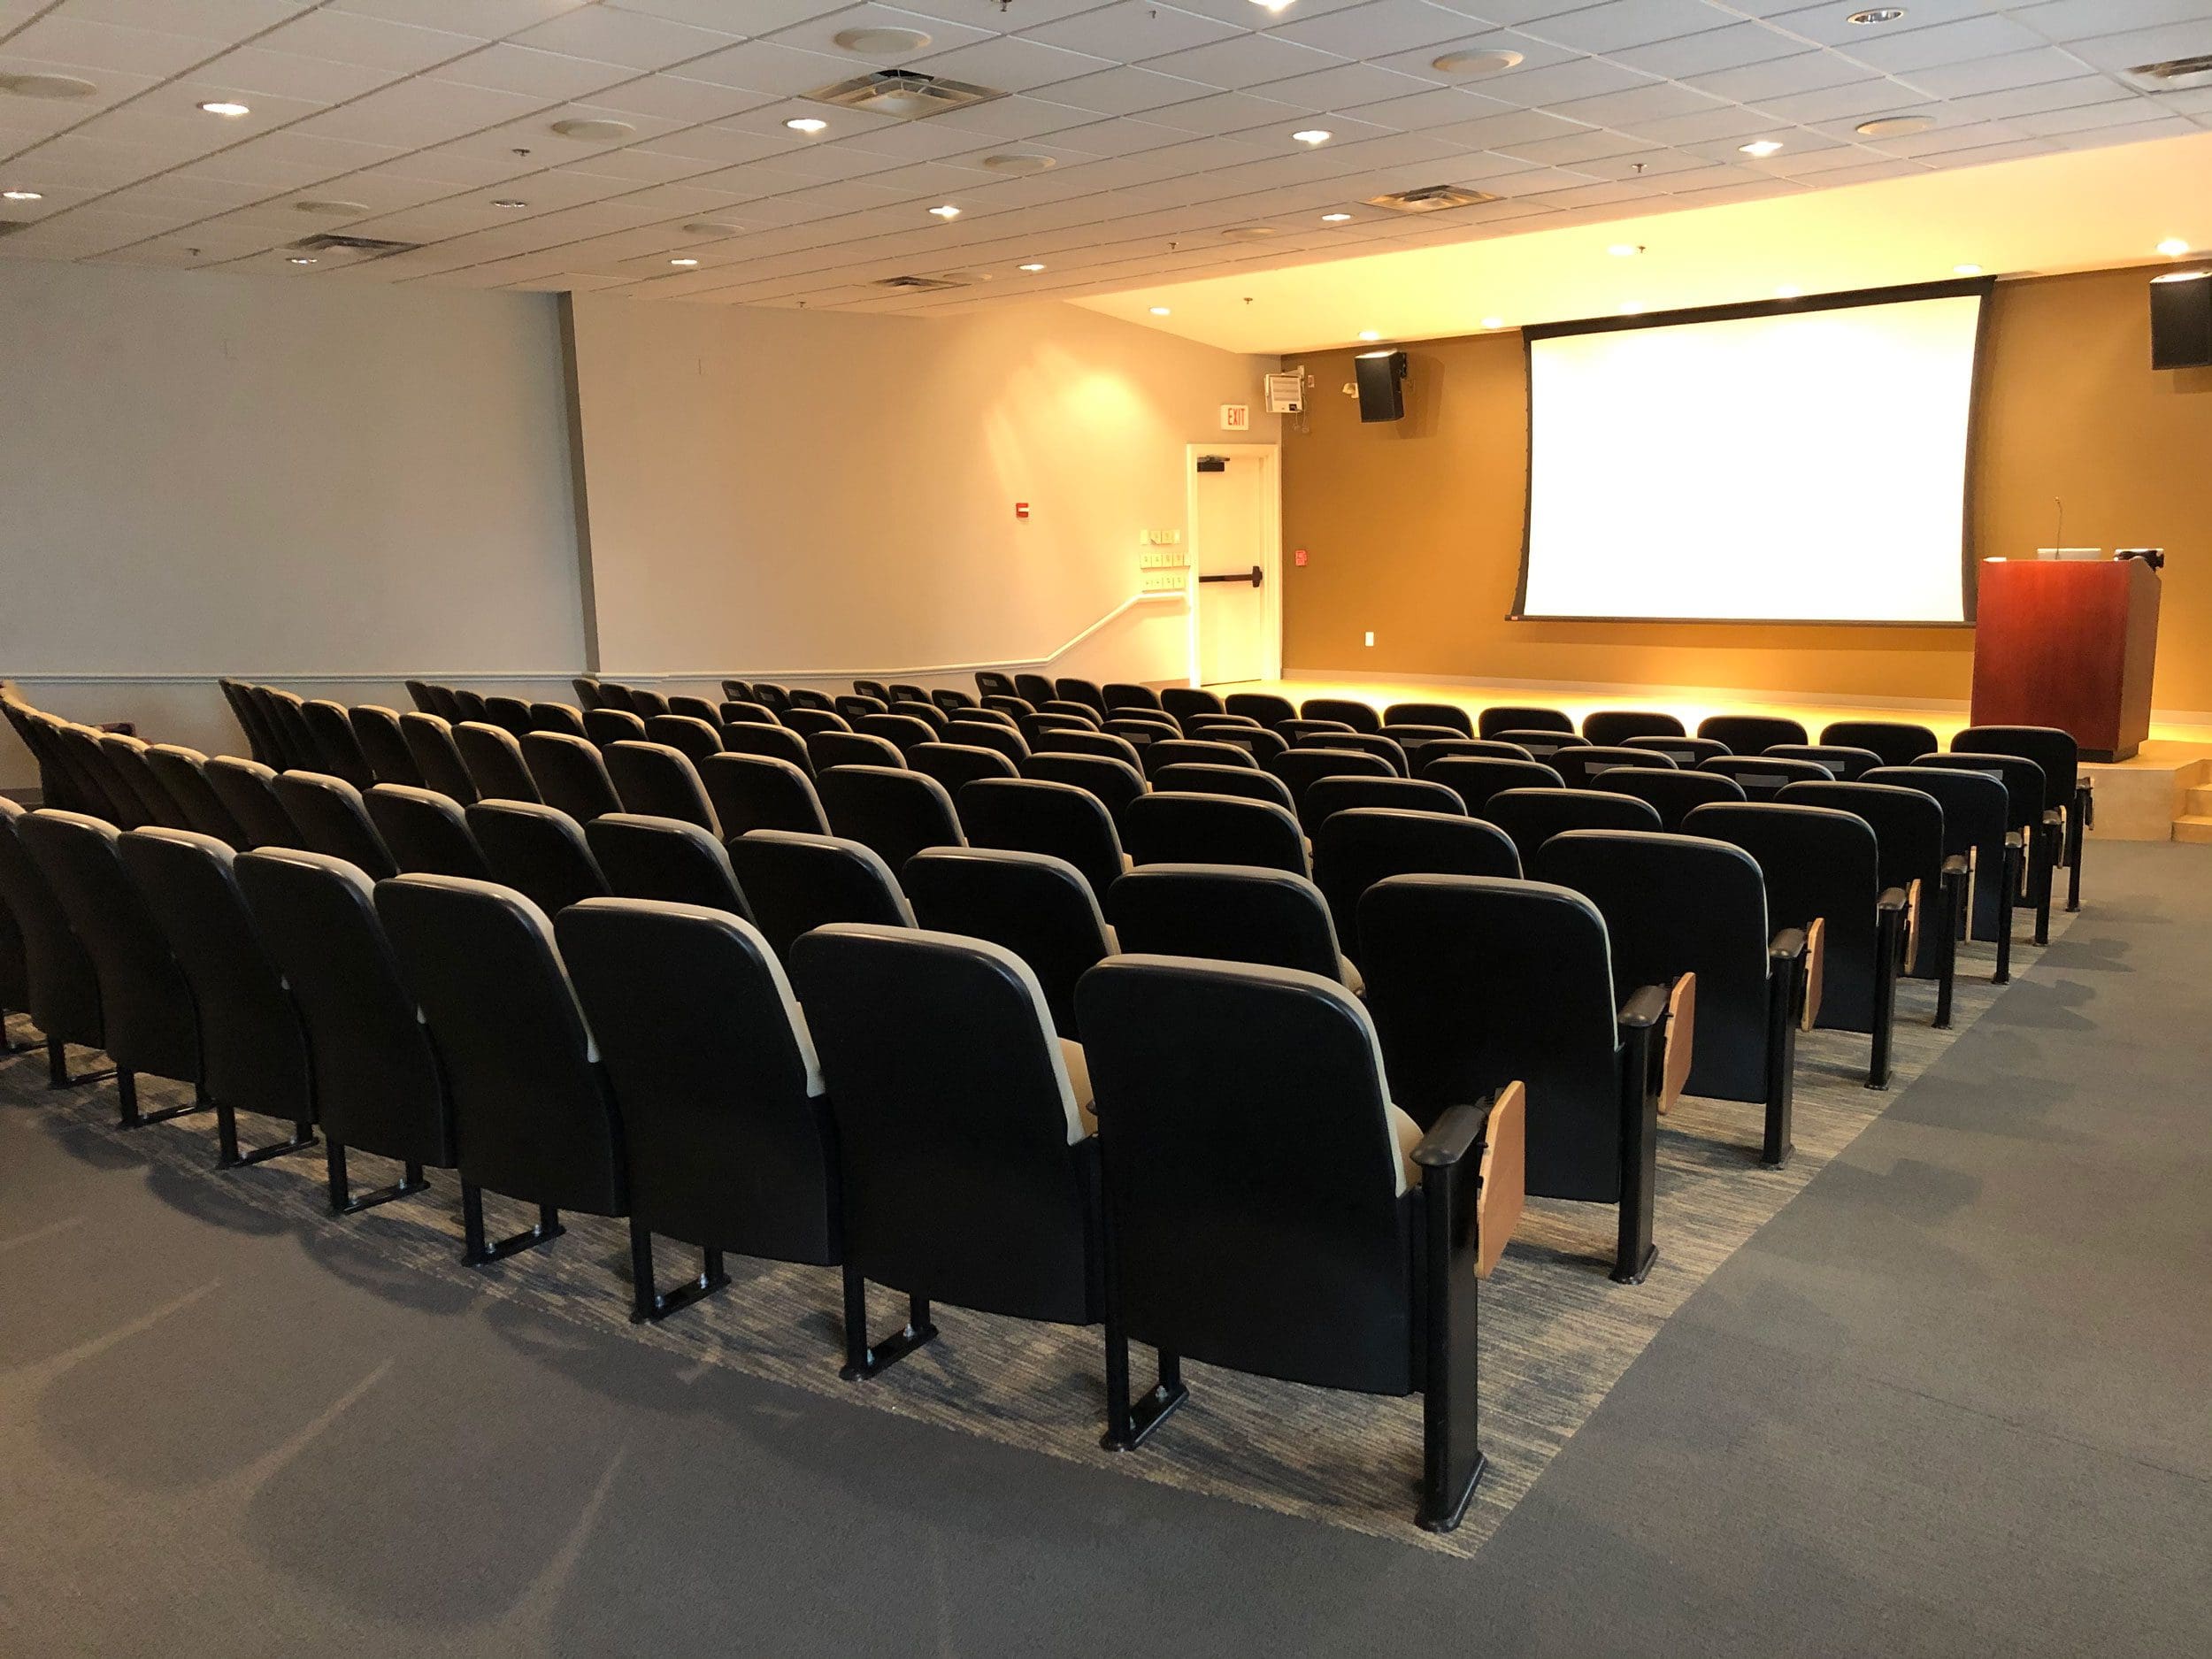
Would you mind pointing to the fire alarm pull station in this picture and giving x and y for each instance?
(1021, 509)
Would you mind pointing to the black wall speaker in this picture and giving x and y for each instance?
(2181, 323)
(1382, 376)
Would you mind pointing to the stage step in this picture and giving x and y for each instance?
(2196, 827)
(2200, 802)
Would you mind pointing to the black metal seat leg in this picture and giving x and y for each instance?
(476, 1253)
(229, 1157)
(129, 1117)
(57, 1068)
(14, 1045)
(864, 1359)
(1130, 1423)
(343, 1202)
(648, 1304)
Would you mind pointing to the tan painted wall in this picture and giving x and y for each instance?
(775, 492)
(1413, 529)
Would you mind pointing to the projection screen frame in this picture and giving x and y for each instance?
(1958, 287)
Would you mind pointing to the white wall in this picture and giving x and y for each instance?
(774, 493)
(214, 474)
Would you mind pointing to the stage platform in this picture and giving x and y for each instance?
(2164, 793)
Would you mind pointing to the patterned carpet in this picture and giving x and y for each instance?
(1556, 1333)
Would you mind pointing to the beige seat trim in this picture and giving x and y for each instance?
(1503, 1176)
(1816, 968)
(1678, 1048)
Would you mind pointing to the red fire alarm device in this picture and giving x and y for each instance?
(1299, 558)
(1021, 509)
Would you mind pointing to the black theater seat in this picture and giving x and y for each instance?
(1041, 908)
(796, 883)
(331, 818)
(1361, 846)
(540, 851)
(571, 773)
(427, 832)
(1532, 816)
(62, 986)
(666, 860)
(1228, 913)
(750, 792)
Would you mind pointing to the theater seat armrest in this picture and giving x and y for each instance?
(2014, 837)
(1644, 1010)
(1955, 865)
(1457, 1133)
(1893, 901)
(1787, 945)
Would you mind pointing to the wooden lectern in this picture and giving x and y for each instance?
(2068, 644)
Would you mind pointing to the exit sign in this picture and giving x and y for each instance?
(1236, 417)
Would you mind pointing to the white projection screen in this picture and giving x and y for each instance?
(1798, 463)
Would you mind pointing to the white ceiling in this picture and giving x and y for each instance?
(1168, 125)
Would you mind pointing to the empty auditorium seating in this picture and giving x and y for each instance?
(1464, 749)
(1342, 1249)
(1764, 776)
(1326, 796)
(1361, 716)
(248, 791)
(688, 735)
(1538, 742)
(425, 831)
(1195, 751)
(604, 725)
(894, 810)
(1614, 726)
(1476, 982)
(2025, 791)
(61, 985)
(953, 765)
(557, 717)
(539, 851)
(970, 1172)
(1386, 749)
(1043, 908)
(1228, 913)
(493, 756)
(569, 773)
(1683, 751)
(1671, 793)
(1068, 689)
(183, 774)
(1033, 815)
(1361, 846)
(2067, 797)
(795, 883)
(1580, 768)
(1116, 783)
(1976, 814)
(1212, 829)
(333, 819)
(1824, 876)
(1898, 743)
(1475, 779)
(1844, 762)
(1182, 702)
(1197, 777)
(750, 792)
(533, 1116)
(252, 1048)
(1263, 706)
(727, 1140)
(1449, 715)
(1750, 733)
(437, 755)
(851, 749)
(1678, 904)
(1907, 825)
(659, 781)
(384, 744)
(772, 742)
(1532, 816)
(339, 749)
(1520, 718)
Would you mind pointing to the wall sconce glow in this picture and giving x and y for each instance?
(945, 210)
(1761, 148)
(228, 111)
(807, 124)
(2173, 247)
(1032, 268)
(1634, 308)
(1273, 5)
(1369, 334)
(1313, 136)
(21, 195)
(1336, 218)
(1625, 249)
(1966, 270)
(1162, 310)
(1493, 322)
(687, 264)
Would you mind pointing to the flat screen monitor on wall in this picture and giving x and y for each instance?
(1799, 461)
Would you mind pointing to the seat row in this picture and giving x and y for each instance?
(921, 1125)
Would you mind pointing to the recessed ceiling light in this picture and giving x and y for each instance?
(1032, 267)
(687, 264)
(1493, 322)
(1761, 148)
(807, 124)
(300, 258)
(1787, 292)
(1336, 218)
(331, 209)
(2173, 247)
(47, 86)
(1966, 270)
(594, 131)
(1313, 136)
(946, 211)
(1273, 5)
(21, 195)
(1876, 14)
(509, 202)
(1161, 310)
(1625, 249)
(880, 43)
(1249, 233)
(224, 108)
(1895, 125)
(712, 227)
(1018, 161)
(1477, 63)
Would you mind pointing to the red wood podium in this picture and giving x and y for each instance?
(2069, 644)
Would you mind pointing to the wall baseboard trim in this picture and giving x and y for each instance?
(393, 676)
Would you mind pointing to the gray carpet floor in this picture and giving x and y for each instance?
(1952, 1398)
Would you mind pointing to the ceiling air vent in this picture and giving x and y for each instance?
(919, 284)
(1431, 199)
(367, 247)
(2176, 75)
(905, 94)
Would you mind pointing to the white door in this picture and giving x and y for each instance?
(1231, 525)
